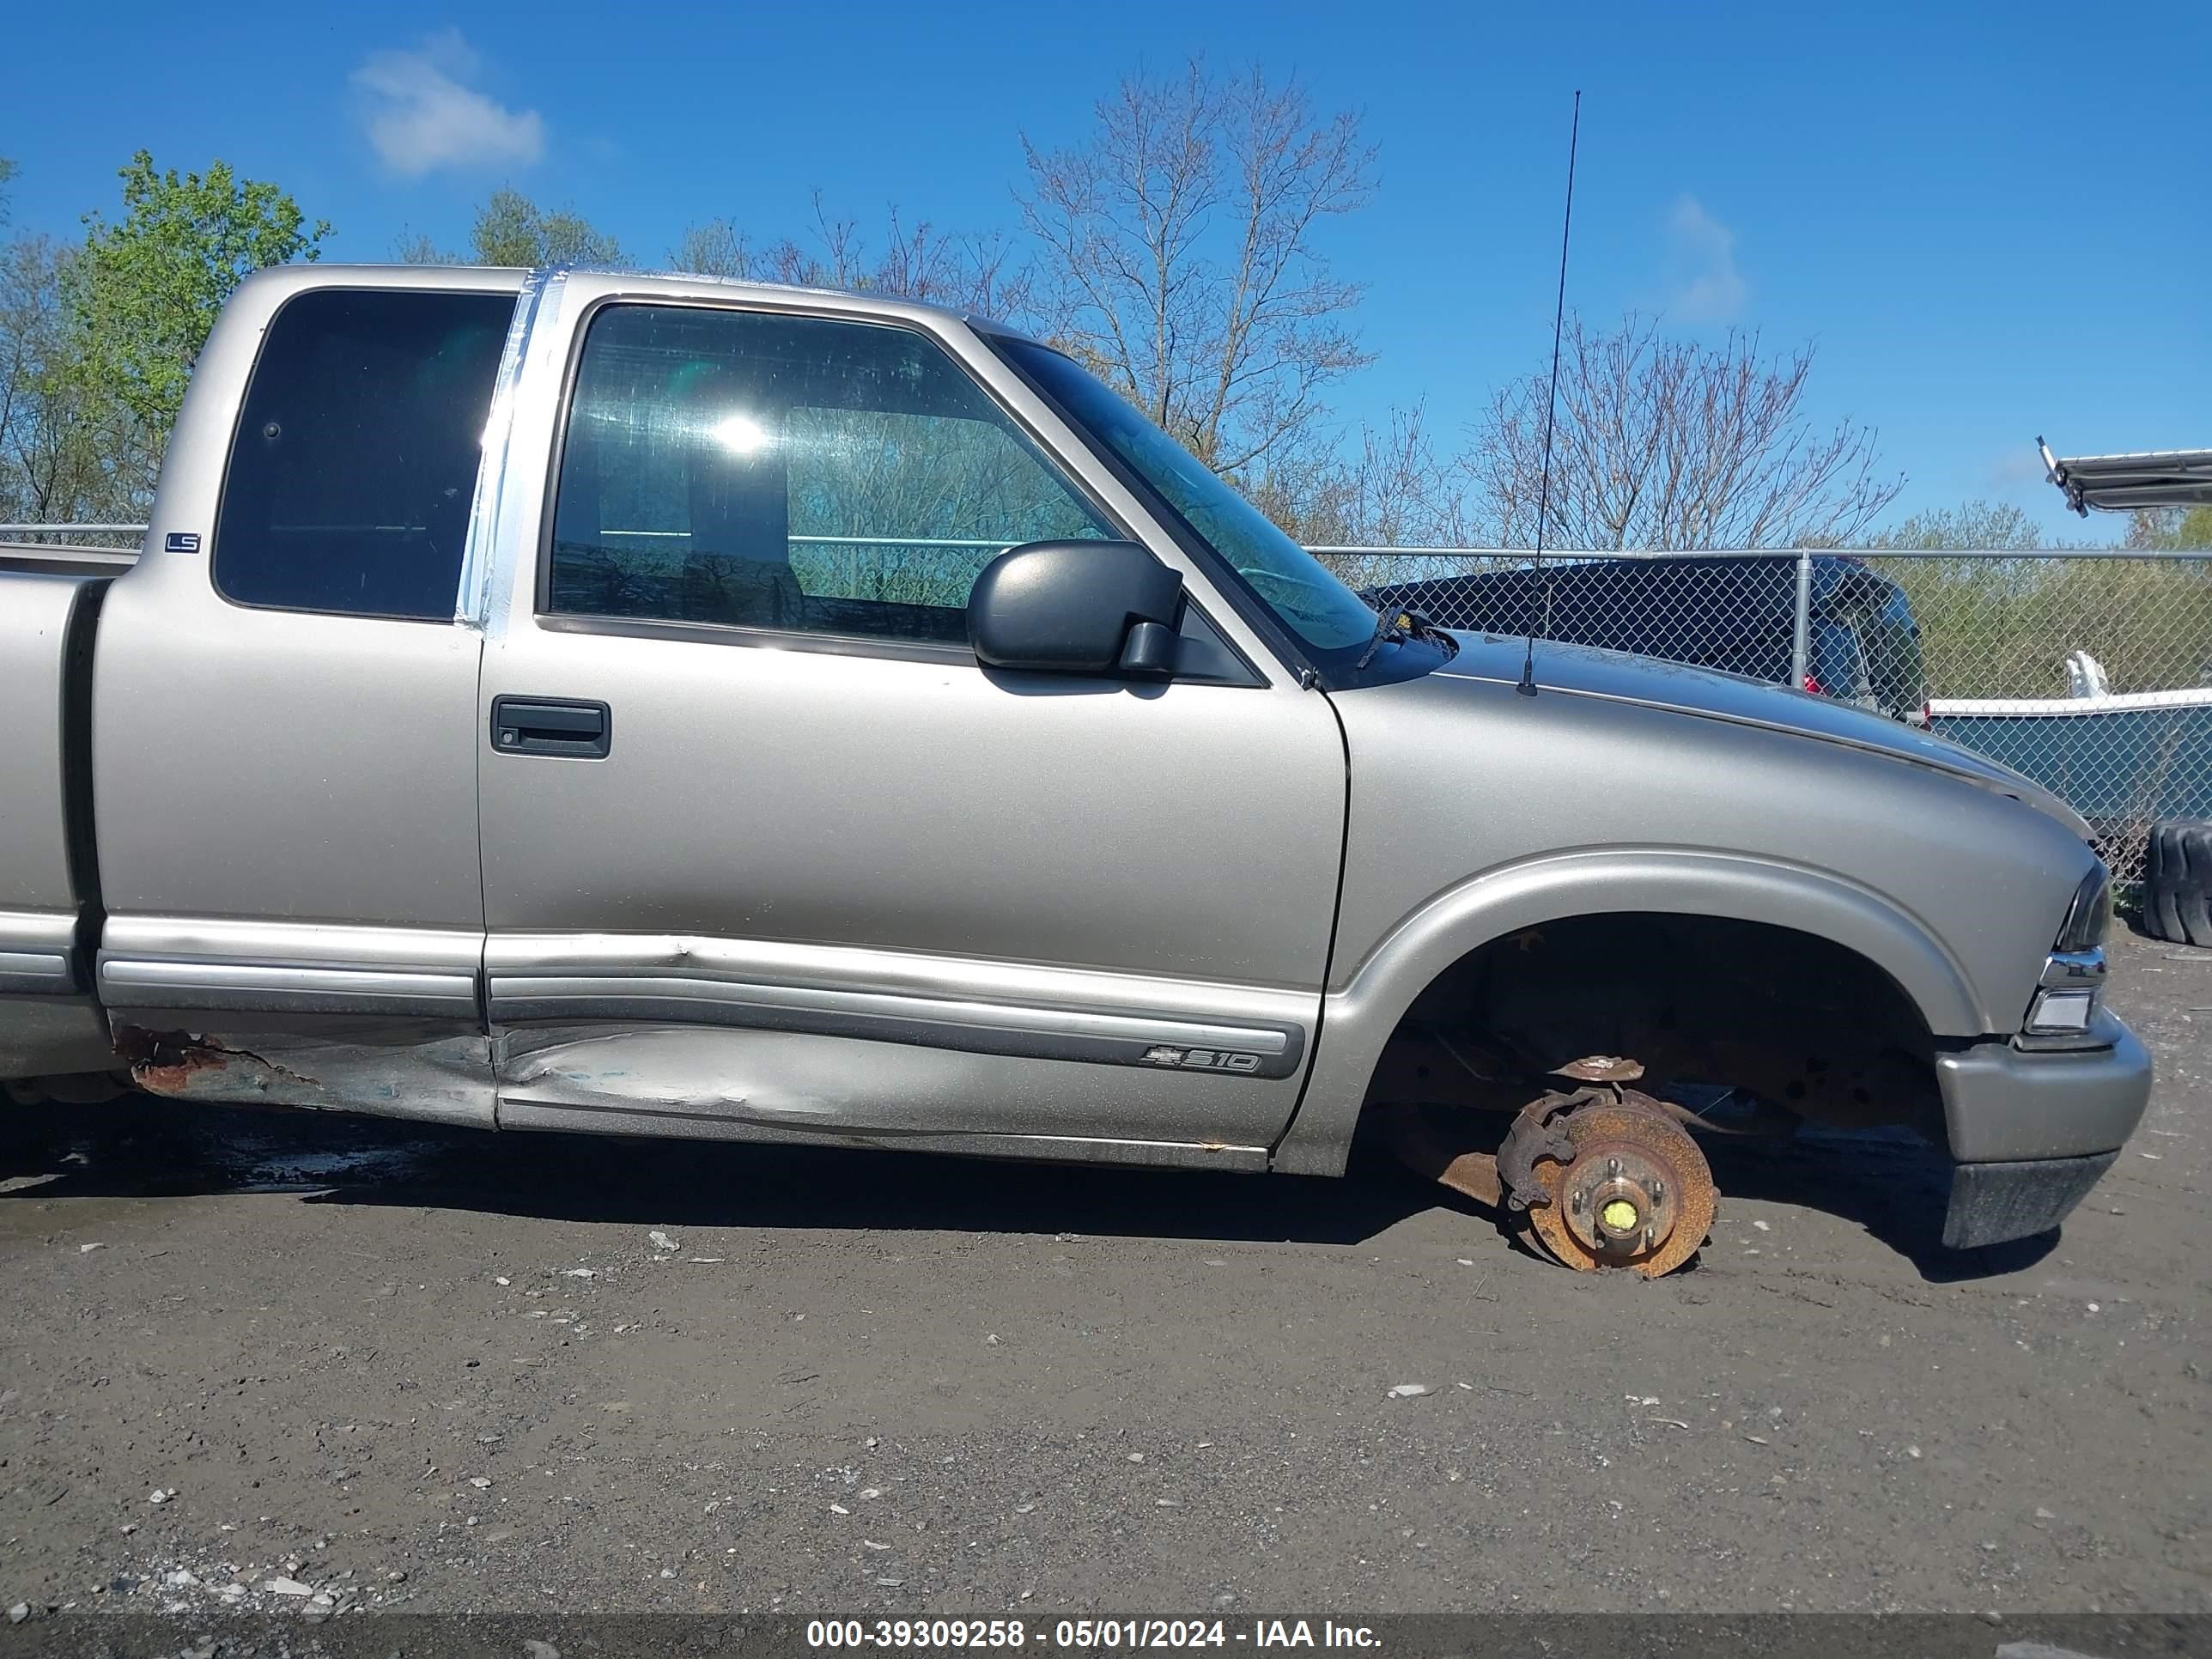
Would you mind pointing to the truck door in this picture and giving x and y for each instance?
(766, 852)
(284, 708)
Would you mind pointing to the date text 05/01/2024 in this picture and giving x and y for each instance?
(1085, 1633)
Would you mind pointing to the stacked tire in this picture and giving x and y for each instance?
(2178, 882)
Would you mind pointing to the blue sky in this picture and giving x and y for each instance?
(1992, 225)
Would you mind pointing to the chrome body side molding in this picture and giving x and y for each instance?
(303, 968)
(38, 951)
(886, 996)
(976, 1027)
(274, 988)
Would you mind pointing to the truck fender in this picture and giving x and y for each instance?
(1366, 1002)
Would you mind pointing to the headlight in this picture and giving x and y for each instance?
(2089, 914)
(2064, 1011)
(2061, 1014)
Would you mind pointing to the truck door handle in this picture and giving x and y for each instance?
(551, 726)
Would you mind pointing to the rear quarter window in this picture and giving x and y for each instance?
(355, 464)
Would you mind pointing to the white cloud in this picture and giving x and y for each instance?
(1706, 286)
(422, 116)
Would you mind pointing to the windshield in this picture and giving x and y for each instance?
(1325, 615)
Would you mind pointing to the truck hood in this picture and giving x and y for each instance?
(1581, 671)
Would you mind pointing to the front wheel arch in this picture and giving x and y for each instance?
(1366, 1007)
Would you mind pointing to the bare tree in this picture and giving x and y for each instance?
(1661, 443)
(1400, 492)
(1387, 488)
(976, 273)
(1182, 261)
(417, 249)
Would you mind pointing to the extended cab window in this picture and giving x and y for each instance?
(792, 473)
(355, 461)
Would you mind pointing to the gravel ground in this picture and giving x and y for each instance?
(374, 1366)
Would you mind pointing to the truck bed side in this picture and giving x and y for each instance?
(50, 601)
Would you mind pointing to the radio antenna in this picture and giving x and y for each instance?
(1527, 686)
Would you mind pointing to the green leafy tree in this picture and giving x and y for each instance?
(2170, 529)
(68, 453)
(145, 292)
(1976, 524)
(511, 229)
(2003, 627)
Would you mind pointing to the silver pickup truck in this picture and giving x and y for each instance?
(653, 705)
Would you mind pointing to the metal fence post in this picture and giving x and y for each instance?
(1801, 627)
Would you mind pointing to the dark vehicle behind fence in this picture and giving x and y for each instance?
(1861, 644)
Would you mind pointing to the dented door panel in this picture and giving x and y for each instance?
(866, 879)
(703, 1082)
(432, 1070)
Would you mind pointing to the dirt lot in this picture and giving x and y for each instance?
(440, 1371)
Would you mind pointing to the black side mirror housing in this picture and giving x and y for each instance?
(1077, 608)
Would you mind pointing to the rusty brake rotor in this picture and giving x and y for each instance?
(1621, 1183)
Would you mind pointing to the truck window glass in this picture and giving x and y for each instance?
(792, 473)
(354, 465)
(1332, 623)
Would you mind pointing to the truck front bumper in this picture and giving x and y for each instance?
(2032, 1129)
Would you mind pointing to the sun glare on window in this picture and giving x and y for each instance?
(741, 434)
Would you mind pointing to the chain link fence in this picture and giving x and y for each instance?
(2090, 672)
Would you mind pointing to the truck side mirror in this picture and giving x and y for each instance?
(1075, 608)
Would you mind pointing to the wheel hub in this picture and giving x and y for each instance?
(1619, 1201)
(1614, 1182)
